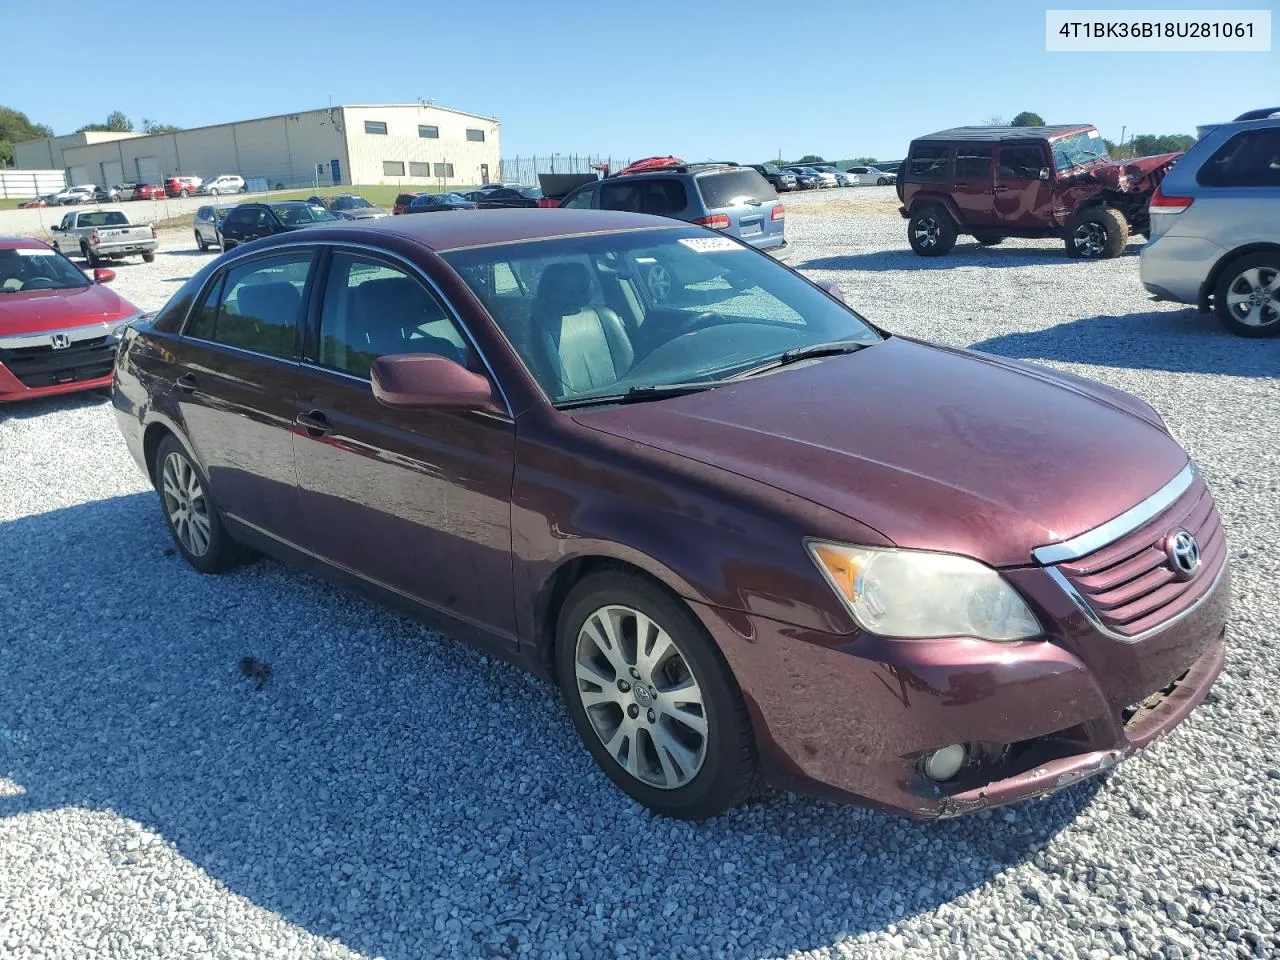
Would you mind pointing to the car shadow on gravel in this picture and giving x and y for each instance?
(963, 255)
(1179, 341)
(404, 794)
(31, 409)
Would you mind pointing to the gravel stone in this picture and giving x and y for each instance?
(392, 793)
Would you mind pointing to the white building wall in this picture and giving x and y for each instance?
(402, 144)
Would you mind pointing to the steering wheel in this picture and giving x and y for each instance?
(706, 318)
(39, 283)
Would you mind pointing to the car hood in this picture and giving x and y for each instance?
(1140, 173)
(363, 213)
(41, 310)
(935, 448)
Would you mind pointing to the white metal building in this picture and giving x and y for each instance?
(411, 144)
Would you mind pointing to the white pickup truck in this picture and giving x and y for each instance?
(99, 235)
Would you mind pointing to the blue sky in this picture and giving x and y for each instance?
(724, 79)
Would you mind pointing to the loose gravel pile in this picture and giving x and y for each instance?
(389, 792)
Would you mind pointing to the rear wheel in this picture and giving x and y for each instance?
(652, 698)
(1096, 233)
(89, 256)
(213, 192)
(201, 244)
(148, 258)
(931, 231)
(190, 512)
(1247, 297)
(882, 182)
(184, 193)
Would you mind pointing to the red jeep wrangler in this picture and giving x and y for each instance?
(997, 182)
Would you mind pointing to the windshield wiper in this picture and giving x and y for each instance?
(650, 391)
(829, 348)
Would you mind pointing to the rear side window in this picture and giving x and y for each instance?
(658, 196)
(973, 162)
(255, 306)
(1249, 159)
(734, 189)
(928, 162)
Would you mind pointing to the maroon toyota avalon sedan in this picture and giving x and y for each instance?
(747, 532)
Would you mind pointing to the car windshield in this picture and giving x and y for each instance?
(38, 269)
(349, 203)
(1079, 149)
(677, 306)
(300, 213)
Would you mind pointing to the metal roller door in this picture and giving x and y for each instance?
(112, 173)
(79, 175)
(148, 169)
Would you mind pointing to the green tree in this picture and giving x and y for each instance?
(811, 158)
(995, 120)
(15, 127)
(862, 162)
(1027, 119)
(153, 127)
(116, 122)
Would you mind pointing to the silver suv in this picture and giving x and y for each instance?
(1215, 226)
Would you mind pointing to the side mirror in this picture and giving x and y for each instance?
(1044, 173)
(103, 275)
(427, 381)
(833, 288)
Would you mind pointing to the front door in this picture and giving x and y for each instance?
(415, 501)
(1022, 198)
(972, 186)
(236, 392)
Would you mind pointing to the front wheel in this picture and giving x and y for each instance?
(1096, 233)
(1247, 296)
(931, 232)
(652, 698)
(882, 182)
(184, 193)
(201, 244)
(190, 512)
(148, 258)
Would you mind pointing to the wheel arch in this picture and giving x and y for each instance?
(157, 428)
(936, 200)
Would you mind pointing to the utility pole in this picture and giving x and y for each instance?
(1120, 149)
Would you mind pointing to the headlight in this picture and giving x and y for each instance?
(912, 593)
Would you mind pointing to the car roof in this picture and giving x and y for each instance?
(493, 227)
(985, 134)
(23, 243)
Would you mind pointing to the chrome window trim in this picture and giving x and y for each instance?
(1096, 622)
(1117, 527)
(75, 334)
(334, 245)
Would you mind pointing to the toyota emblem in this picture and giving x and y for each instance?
(1184, 554)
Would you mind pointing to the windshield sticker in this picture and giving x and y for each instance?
(27, 252)
(1094, 134)
(710, 244)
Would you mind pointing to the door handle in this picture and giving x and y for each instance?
(186, 383)
(315, 423)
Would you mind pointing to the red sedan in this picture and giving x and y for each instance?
(149, 191)
(57, 328)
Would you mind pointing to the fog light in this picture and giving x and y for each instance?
(945, 762)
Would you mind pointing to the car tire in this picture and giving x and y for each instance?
(988, 239)
(201, 244)
(708, 761)
(1246, 297)
(190, 512)
(89, 257)
(148, 258)
(1096, 233)
(184, 193)
(213, 192)
(931, 231)
(882, 182)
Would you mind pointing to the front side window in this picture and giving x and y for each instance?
(475, 136)
(1021, 163)
(594, 316)
(928, 162)
(376, 127)
(1249, 159)
(372, 309)
(255, 306)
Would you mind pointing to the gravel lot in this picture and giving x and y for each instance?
(392, 793)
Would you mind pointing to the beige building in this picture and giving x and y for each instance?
(410, 144)
(46, 154)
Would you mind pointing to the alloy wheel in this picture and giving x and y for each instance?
(641, 697)
(927, 232)
(185, 504)
(1253, 297)
(1091, 238)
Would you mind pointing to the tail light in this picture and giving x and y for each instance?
(717, 221)
(93, 238)
(1161, 202)
(779, 213)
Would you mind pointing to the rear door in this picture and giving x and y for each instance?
(414, 501)
(1022, 198)
(748, 201)
(236, 389)
(973, 184)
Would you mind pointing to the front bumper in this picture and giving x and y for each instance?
(31, 366)
(851, 717)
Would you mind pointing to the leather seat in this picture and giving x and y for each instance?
(580, 347)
